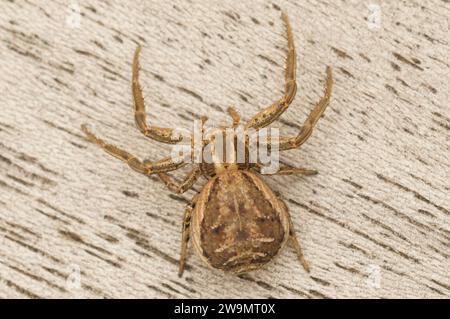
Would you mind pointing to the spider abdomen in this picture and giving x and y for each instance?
(238, 223)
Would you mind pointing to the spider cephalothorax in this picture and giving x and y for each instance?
(236, 222)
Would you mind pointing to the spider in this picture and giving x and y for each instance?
(236, 222)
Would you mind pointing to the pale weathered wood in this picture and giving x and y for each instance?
(373, 223)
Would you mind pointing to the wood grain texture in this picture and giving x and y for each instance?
(374, 223)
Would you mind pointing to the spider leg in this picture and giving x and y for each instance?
(164, 165)
(185, 235)
(295, 241)
(287, 143)
(186, 184)
(288, 170)
(234, 116)
(274, 111)
(161, 134)
(297, 247)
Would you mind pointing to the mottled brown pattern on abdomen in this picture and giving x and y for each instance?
(241, 229)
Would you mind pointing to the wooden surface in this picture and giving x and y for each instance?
(75, 222)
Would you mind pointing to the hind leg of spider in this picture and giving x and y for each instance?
(165, 165)
(294, 240)
(287, 143)
(186, 184)
(297, 247)
(185, 235)
(161, 134)
(273, 112)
